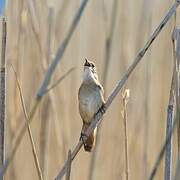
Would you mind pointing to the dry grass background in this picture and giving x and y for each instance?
(149, 85)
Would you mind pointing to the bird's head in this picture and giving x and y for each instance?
(89, 70)
(89, 65)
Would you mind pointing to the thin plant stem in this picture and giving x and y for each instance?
(162, 151)
(29, 128)
(168, 153)
(109, 40)
(3, 93)
(69, 166)
(97, 118)
(44, 135)
(176, 37)
(45, 106)
(176, 55)
(147, 96)
(124, 115)
(171, 123)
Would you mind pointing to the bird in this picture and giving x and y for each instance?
(91, 100)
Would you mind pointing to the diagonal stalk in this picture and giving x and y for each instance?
(97, 118)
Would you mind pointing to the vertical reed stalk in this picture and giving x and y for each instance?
(3, 93)
(124, 115)
(162, 151)
(169, 131)
(45, 121)
(177, 90)
(29, 129)
(168, 154)
(145, 28)
(68, 173)
(170, 112)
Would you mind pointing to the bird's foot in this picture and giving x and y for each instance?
(102, 109)
(82, 137)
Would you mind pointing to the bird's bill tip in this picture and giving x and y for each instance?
(86, 63)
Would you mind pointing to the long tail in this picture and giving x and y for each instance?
(90, 143)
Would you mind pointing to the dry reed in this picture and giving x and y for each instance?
(68, 173)
(34, 151)
(3, 93)
(125, 97)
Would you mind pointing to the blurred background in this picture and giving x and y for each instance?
(2, 3)
(35, 30)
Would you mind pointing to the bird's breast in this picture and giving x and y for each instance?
(90, 100)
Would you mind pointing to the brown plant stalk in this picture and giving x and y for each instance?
(3, 92)
(69, 161)
(39, 172)
(125, 96)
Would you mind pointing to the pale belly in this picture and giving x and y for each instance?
(90, 100)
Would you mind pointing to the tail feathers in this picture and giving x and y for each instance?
(90, 142)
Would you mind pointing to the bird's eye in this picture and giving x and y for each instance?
(92, 65)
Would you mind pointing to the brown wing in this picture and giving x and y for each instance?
(90, 142)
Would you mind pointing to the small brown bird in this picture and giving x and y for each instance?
(90, 101)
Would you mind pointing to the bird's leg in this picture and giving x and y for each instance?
(82, 136)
